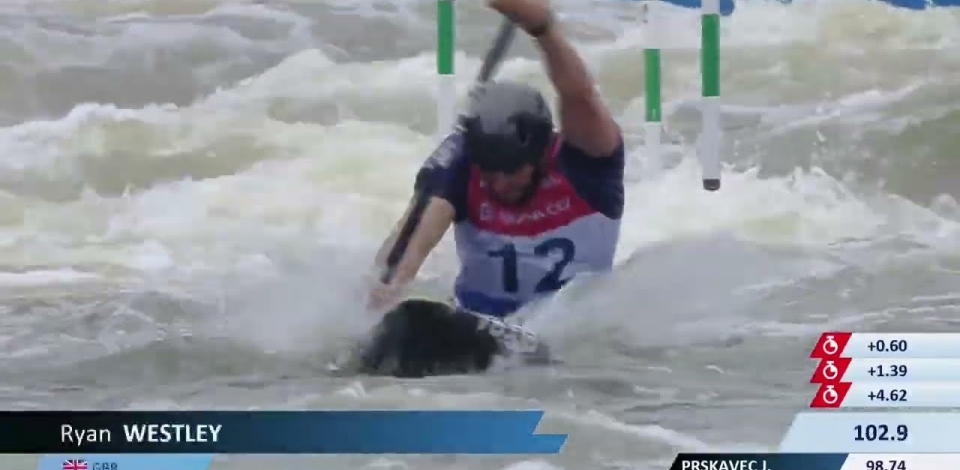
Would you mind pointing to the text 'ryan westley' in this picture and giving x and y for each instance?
(162, 433)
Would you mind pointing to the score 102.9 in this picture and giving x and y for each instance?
(880, 433)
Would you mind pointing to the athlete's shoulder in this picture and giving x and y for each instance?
(445, 172)
(574, 159)
(598, 180)
(444, 159)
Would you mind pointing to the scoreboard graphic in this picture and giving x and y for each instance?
(885, 399)
(887, 370)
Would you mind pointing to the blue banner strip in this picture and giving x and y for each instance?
(275, 432)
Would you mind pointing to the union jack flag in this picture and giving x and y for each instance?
(74, 465)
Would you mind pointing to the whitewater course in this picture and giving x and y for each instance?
(191, 193)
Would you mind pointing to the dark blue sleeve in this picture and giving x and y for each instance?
(599, 181)
(445, 173)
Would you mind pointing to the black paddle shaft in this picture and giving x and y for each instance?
(491, 62)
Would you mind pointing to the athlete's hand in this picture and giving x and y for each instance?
(383, 297)
(534, 16)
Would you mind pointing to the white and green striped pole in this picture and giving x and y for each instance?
(653, 127)
(447, 88)
(710, 92)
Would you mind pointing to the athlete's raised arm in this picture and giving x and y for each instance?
(586, 122)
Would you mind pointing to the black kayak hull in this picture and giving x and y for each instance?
(422, 337)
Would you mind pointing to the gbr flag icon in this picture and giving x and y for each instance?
(831, 371)
(830, 395)
(830, 345)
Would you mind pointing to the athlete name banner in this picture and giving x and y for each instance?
(802, 461)
(759, 461)
(275, 432)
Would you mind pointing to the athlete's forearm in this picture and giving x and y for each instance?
(566, 69)
(434, 223)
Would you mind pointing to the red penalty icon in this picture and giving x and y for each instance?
(830, 395)
(830, 371)
(830, 345)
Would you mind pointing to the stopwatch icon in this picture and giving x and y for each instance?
(830, 396)
(830, 371)
(830, 346)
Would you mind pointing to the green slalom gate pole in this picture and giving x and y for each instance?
(709, 150)
(653, 126)
(447, 87)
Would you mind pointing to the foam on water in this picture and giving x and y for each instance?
(261, 172)
(312, 149)
(319, 164)
(33, 278)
